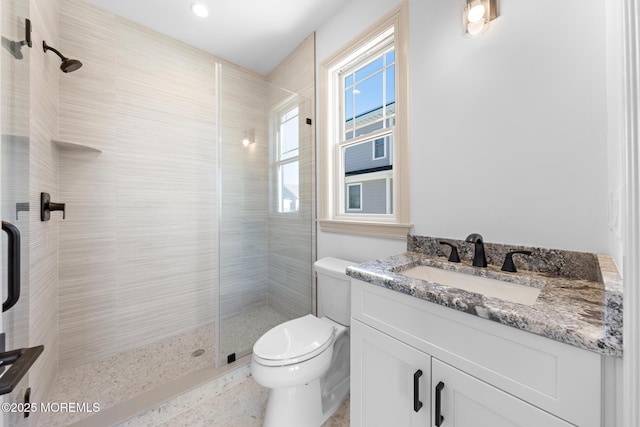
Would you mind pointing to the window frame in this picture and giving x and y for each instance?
(331, 174)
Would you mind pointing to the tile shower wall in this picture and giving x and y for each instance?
(243, 233)
(292, 236)
(138, 251)
(43, 254)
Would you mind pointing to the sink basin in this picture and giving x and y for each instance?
(508, 291)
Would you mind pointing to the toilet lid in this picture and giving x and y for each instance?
(294, 341)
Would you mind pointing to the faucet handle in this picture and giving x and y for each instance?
(508, 264)
(453, 257)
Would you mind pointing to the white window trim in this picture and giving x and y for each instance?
(398, 224)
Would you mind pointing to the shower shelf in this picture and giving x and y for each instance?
(75, 146)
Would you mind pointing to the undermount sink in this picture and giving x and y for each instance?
(508, 291)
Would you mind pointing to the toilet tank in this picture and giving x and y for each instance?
(334, 289)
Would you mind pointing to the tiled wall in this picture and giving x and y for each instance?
(292, 236)
(243, 232)
(44, 74)
(138, 251)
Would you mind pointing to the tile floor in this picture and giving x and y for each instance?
(239, 333)
(242, 405)
(118, 378)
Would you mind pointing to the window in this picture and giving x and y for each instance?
(287, 159)
(354, 197)
(379, 149)
(363, 156)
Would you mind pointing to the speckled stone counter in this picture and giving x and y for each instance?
(580, 302)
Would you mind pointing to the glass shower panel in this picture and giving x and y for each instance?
(14, 178)
(266, 220)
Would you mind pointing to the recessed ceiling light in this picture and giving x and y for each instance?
(200, 10)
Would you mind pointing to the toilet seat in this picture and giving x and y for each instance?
(294, 341)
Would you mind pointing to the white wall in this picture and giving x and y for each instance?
(508, 131)
(615, 126)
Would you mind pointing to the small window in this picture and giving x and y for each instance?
(354, 197)
(287, 159)
(379, 149)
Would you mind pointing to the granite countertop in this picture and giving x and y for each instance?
(583, 312)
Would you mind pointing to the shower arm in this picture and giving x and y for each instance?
(46, 47)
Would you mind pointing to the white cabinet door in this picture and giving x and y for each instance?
(390, 381)
(466, 401)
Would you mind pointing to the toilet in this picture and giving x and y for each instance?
(305, 361)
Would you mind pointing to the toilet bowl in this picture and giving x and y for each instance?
(305, 361)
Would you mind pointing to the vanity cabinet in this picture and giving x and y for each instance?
(391, 380)
(492, 374)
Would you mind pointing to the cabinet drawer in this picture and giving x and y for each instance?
(556, 377)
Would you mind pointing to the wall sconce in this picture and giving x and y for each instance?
(477, 15)
(249, 138)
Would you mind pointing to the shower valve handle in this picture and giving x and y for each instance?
(46, 206)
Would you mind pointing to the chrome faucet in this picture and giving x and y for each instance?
(479, 258)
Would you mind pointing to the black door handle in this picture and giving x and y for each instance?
(13, 268)
(416, 390)
(439, 418)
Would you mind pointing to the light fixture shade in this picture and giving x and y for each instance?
(200, 10)
(477, 16)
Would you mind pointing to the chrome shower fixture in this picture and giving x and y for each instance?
(68, 65)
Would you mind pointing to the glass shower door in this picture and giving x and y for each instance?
(14, 188)
(266, 221)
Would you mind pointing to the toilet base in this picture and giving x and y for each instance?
(299, 406)
(325, 385)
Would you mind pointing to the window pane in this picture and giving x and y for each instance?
(370, 197)
(358, 159)
(368, 95)
(289, 184)
(391, 85)
(391, 57)
(290, 114)
(354, 197)
(373, 174)
(369, 69)
(289, 135)
(348, 109)
(348, 81)
(379, 149)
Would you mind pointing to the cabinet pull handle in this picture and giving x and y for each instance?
(416, 390)
(439, 418)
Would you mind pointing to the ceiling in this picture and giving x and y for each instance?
(257, 34)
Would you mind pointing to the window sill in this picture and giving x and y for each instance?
(377, 229)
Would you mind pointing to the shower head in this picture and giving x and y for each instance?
(68, 65)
